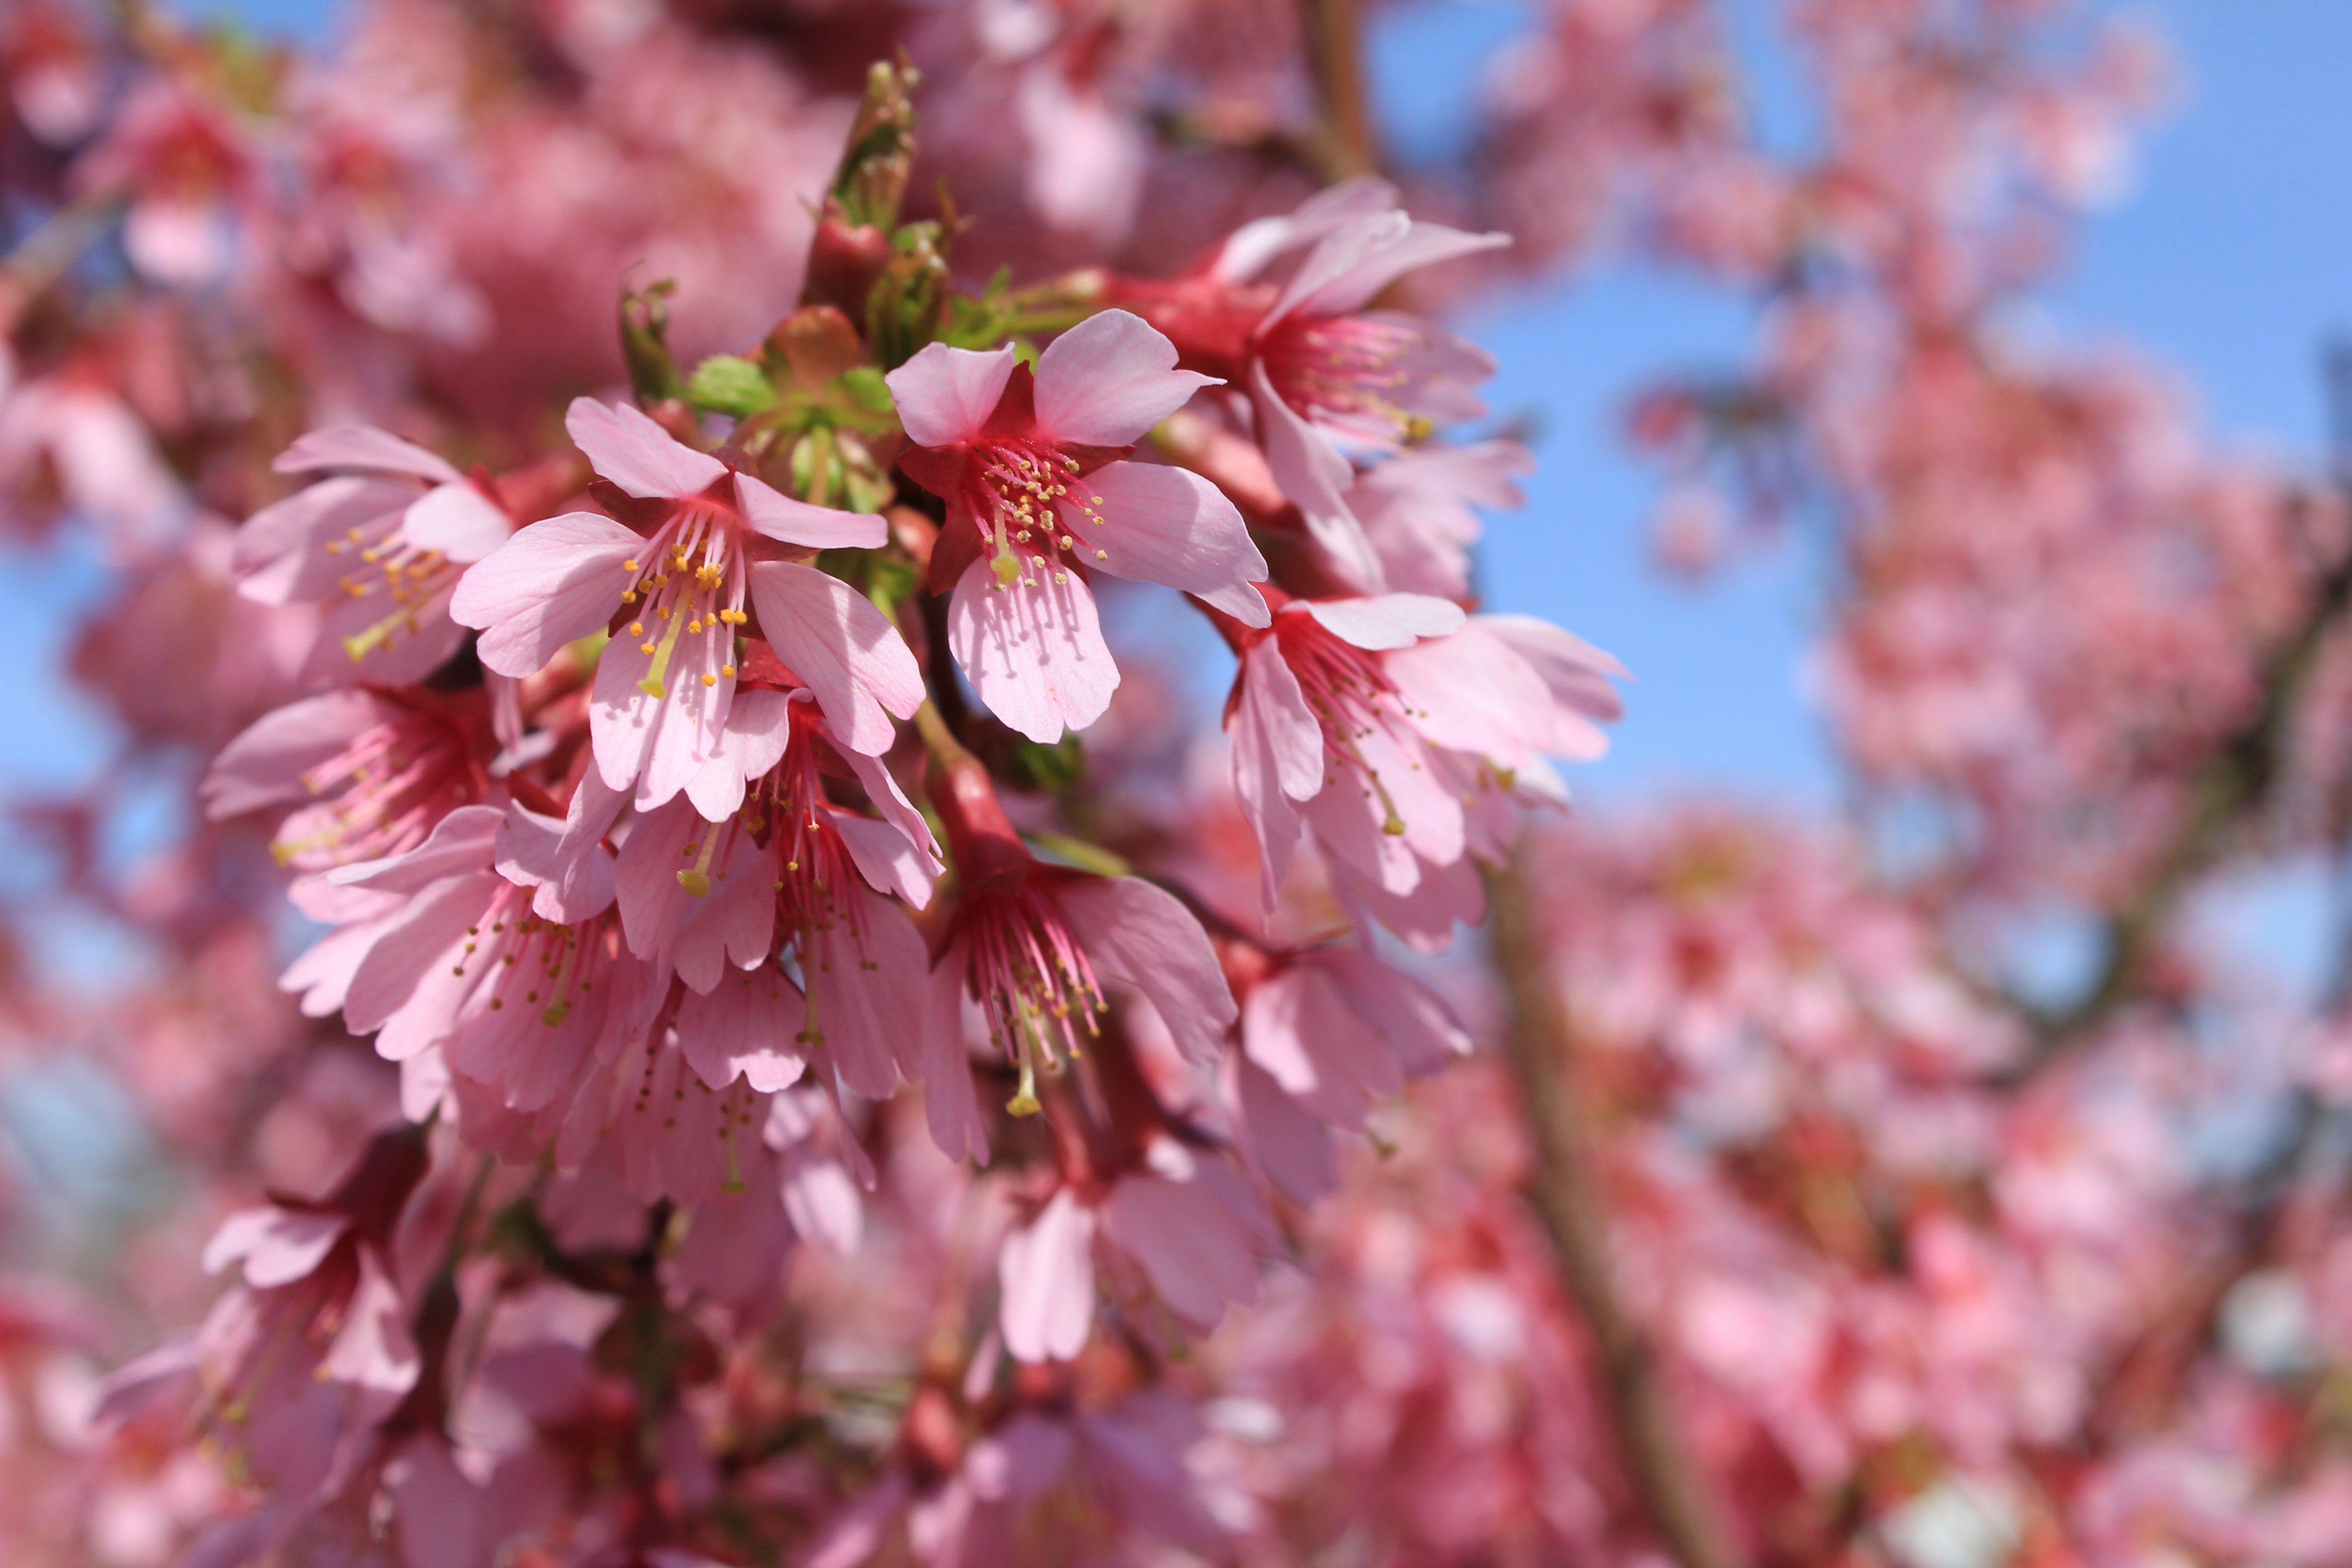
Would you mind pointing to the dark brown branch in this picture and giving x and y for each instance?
(1565, 1189)
(1336, 46)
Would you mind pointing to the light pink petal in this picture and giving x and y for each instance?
(900, 813)
(1386, 620)
(463, 841)
(759, 727)
(1356, 262)
(415, 948)
(770, 512)
(458, 520)
(276, 1246)
(264, 765)
(1443, 897)
(637, 454)
(732, 927)
(885, 859)
(866, 994)
(1290, 1146)
(566, 861)
(365, 447)
(945, 395)
(1246, 251)
(1419, 1025)
(1315, 477)
(551, 584)
(833, 639)
(736, 1248)
(352, 644)
(1144, 936)
(1047, 1275)
(659, 735)
(744, 1027)
(1277, 758)
(949, 1104)
(1110, 379)
(1034, 652)
(1171, 526)
(279, 555)
(322, 976)
(1198, 1254)
(373, 1354)
(1469, 692)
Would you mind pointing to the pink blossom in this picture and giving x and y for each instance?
(376, 770)
(1008, 449)
(381, 543)
(702, 539)
(1399, 729)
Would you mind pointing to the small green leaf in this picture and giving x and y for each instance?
(725, 383)
(1051, 768)
(866, 389)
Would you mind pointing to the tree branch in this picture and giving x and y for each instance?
(1565, 1189)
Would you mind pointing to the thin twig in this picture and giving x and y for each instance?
(1335, 44)
(1565, 1189)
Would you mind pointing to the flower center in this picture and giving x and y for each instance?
(1346, 369)
(1351, 696)
(690, 581)
(1030, 975)
(1021, 495)
(387, 789)
(402, 578)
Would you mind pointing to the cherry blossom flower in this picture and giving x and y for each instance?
(1030, 954)
(1039, 496)
(1397, 728)
(381, 543)
(702, 539)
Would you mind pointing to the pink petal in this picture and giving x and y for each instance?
(1443, 897)
(1171, 526)
(759, 726)
(276, 1246)
(744, 1027)
(868, 996)
(945, 395)
(1034, 653)
(949, 1104)
(834, 640)
(264, 765)
(1290, 1146)
(886, 860)
(1277, 757)
(373, 1353)
(566, 861)
(458, 520)
(1046, 1277)
(637, 454)
(1198, 1254)
(1315, 477)
(1250, 248)
(553, 584)
(322, 976)
(1386, 620)
(366, 449)
(898, 812)
(770, 512)
(415, 949)
(463, 841)
(1144, 936)
(658, 740)
(1108, 380)
(1354, 263)
(1469, 692)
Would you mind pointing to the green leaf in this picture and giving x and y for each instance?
(725, 383)
(868, 390)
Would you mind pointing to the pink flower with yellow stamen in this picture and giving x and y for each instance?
(699, 540)
(1039, 496)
